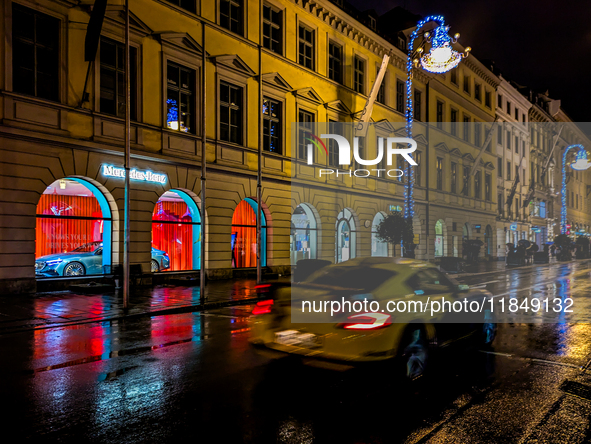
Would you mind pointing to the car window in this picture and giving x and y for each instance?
(363, 278)
(430, 281)
(87, 248)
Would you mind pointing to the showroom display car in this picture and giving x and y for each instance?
(87, 259)
(407, 340)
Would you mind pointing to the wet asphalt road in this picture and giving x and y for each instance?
(193, 377)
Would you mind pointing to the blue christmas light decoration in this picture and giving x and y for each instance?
(581, 163)
(440, 59)
(172, 115)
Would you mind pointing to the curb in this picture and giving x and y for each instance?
(164, 312)
(522, 267)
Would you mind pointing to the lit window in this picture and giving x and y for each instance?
(179, 98)
(272, 126)
(439, 173)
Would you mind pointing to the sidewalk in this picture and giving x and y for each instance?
(486, 267)
(43, 310)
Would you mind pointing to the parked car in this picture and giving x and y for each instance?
(407, 340)
(160, 261)
(87, 259)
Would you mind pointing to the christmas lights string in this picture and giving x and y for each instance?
(441, 58)
(580, 159)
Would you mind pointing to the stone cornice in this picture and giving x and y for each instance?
(537, 114)
(478, 68)
(353, 30)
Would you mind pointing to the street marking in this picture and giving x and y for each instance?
(525, 358)
(483, 284)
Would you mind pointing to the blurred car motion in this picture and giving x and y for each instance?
(405, 340)
(87, 259)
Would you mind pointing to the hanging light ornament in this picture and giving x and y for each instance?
(581, 162)
(441, 57)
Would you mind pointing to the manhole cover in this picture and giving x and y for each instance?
(576, 389)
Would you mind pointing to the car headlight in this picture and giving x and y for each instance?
(39, 265)
(53, 262)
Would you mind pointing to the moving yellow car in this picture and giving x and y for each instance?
(407, 336)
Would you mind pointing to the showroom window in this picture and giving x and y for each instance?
(176, 233)
(244, 235)
(346, 236)
(378, 247)
(303, 235)
(73, 230)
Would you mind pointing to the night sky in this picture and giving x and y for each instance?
(542, 44)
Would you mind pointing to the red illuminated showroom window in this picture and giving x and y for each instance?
(244, 235)
(176, 233)
(73, 230)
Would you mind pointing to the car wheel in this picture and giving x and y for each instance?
(74, 269)
(488, 330)
(154, 268)
(414, 353)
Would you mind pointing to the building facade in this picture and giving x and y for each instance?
(578, 183)
(62, 140)
(513, 151)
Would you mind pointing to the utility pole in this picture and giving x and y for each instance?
(202, 271)
(260, 163)
(127, 161)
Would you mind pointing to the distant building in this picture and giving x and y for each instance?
(513, 150)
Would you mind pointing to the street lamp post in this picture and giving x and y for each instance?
(441, 58)
(581, 163)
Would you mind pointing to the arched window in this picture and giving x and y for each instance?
(73, 230)
(304, 234)
(466, 231)
(346, 236)
(244, 235)
(439, 239)
(488, 240)
(176, 233)
(379, 248)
